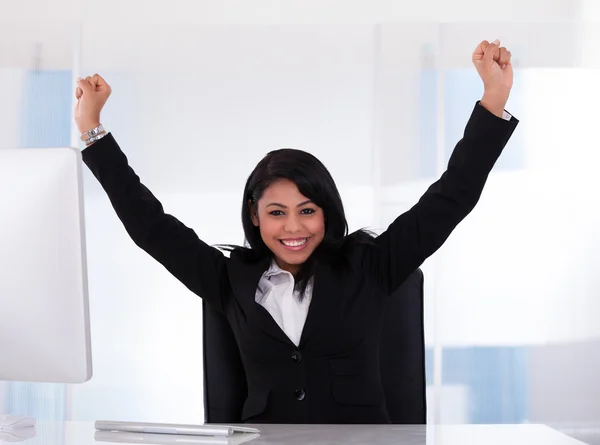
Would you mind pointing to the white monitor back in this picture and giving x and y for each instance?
(44, 316)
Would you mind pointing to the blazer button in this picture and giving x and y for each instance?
(296, 357)
(300, 394)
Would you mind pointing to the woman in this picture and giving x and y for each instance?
(306, 300)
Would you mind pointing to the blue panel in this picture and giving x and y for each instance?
(496, 378)
(44, 401)
(47, 109)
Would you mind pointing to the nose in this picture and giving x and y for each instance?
(292, 225)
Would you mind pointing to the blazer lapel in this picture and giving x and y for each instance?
(244, 278)
(325, 295)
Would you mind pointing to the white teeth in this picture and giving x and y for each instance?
(294, 243)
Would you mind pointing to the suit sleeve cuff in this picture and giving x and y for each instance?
(485, 124)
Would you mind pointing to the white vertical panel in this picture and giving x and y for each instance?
(11, 92)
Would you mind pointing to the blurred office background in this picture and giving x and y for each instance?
(380, 91)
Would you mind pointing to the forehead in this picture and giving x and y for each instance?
(283, 192)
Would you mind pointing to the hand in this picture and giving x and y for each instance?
(495, 69)
(91, 93)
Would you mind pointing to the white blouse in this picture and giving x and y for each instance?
(275, 292)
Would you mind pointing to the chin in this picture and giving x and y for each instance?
(294, 260)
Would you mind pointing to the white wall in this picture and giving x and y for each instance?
(520, 270)
(563, 385)
(11, 80)
(208, 118)
(37, 20)
(295, 11)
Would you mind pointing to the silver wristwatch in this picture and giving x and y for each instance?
(92, 133)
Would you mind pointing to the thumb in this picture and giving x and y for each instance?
(492, 52)
(85, 85)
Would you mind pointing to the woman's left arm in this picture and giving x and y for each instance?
(419, 232)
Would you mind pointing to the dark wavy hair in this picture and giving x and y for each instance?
(316, 183)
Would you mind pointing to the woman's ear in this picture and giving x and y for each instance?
(253, 214)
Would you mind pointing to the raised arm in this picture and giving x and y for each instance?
(197, 265)
(419, 232)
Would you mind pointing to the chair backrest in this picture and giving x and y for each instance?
(225, 386)
(402, 361)
(402, 354)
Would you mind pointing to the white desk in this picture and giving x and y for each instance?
(82, 433)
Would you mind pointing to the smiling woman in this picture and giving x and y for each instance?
(322, 365)
(292, 211)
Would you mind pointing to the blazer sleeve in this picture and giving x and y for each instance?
(419, 232)
(200, 267)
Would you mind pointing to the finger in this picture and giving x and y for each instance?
(78, 93)
(492, 52)
(85, 86)
(99, 80)
(480, 50)
(503, 57)
(509, 59)
(101, 84)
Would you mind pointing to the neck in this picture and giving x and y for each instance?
(291, 268)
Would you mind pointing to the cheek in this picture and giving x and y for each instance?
(317, 227)
(268, 228)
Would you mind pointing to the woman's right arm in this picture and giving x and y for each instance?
(200, 267)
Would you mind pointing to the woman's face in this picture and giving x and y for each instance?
(290, 224)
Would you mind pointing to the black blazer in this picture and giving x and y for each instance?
(333, 376)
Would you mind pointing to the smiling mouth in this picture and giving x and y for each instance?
(294, 244)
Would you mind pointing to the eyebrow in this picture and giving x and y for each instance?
(276, 204)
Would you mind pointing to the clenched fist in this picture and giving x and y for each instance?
(91, 93)
(495, 69)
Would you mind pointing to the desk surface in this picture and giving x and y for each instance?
(84, 433)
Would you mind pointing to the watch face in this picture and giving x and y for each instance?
(93, 132)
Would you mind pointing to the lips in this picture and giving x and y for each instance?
(295, 244)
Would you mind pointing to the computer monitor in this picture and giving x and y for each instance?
(44, 316)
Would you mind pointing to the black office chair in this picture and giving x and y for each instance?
(402, 361)
(402, 354)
